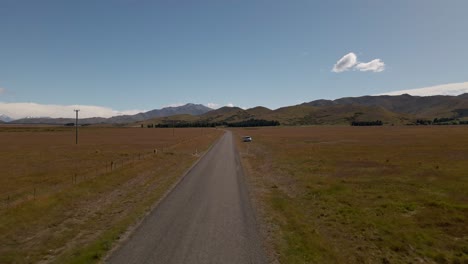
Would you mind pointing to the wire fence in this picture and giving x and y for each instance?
(17, 197)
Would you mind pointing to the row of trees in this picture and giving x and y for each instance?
(183, 124)
(367, 123)
(246, 123)
(254, 123)
(423, 122)
(441, 121)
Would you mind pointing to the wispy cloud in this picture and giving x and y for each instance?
(216, 105)
(174, 105)
(213, 105)
(350, 62)
(22, 110)
(2, 90)
(443, 89)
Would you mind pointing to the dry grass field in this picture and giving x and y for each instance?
(361, 194)
(67, 203)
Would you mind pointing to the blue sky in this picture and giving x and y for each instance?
(136, 54)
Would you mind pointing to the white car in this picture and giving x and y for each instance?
(247, 139)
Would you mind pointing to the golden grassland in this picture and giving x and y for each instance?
(360, 194)
(67, 203)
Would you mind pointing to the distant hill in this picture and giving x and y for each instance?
(332, 115)
(189, 109)
(259, 110)
(420, 106)
(226, 114)
(401, 109)
(5, 118)
(291, 115)
(223, 114)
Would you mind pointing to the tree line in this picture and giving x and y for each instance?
(246, 123)
(367, 123)
(183, 125)
(254, 123)
(441, 121)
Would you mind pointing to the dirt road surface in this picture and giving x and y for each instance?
(207, 218)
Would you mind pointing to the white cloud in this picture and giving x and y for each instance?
(21, 110)
(443, 89)
(350, 61)
(375, 65)
(2, 90)
(345, 63)
(174, 105)
(212, 105)
(216, 106)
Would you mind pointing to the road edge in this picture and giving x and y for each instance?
(131, 229)
(255, 203)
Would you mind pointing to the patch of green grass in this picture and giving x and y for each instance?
(300, 242)
(366, 195)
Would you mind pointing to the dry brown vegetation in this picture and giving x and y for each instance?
(361, 194)
(68, 203)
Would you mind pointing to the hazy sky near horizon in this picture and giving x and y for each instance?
(139, 54)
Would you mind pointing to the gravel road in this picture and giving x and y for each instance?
(207, 218)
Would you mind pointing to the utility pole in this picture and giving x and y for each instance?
(76, 125)
(172, 127)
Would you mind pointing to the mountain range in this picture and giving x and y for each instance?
(190, 109)
(397, 110)
(401, 109)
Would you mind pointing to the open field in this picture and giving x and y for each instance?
(67, 203)
(361, 194)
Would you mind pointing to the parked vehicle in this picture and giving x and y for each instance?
(247, 139)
